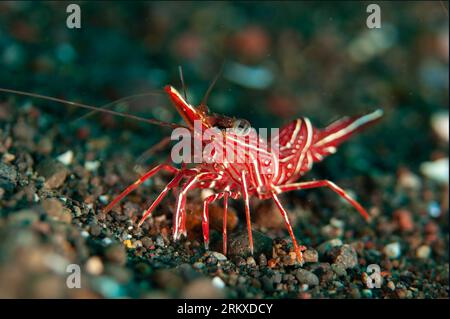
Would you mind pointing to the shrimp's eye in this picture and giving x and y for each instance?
(241, 127)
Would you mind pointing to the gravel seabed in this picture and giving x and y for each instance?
(54, 180)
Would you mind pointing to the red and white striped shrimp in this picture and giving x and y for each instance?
(256, 169)
(300, 145)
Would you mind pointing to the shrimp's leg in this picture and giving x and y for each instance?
(205, 217)
(179, 218)
(224, 223)
(173, 183)
(247, 210)
(180, 214)
(138, 182)
(289, 227)
(324, 183)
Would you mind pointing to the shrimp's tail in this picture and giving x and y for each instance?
(326, 140)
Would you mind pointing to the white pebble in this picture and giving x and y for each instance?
(434, 210)
(91, 166)
(336, 222)
(392, 250)
(8, 157)
(94, 266)
(336, 242)
(219, 256)
(218, 282)
(439, 122)
(66, 158)
(104, 199)
(436, 170)
(409, 180)
(423, 252)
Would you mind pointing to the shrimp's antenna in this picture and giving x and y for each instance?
(92, 108)
(180, 70)
(123, 99)
(211, 86)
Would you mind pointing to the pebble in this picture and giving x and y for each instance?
(277, 278)
(8, 177)
(328, 245)
(251, 261)
(355, 293)
(94, 265)
(128, 244)
(168, 279)
(339, 270)
(91, 166)
(55, 209)
(147, 242)
(218, 282)
(272, 263)
(304, 287)
(22, 131)
(54, 172)
(337, 223)
(391, 285)
(408, 180)
(108, 287)
(306, 277)
(423, 252)
(392, 250)
(329, 231)
(436, 170)
(219, 256)
(262, 260)
(346, 256)
(310, 256)
(116, 253)
(104, 199)
(188, 272)
(95, 229)
(198, 265)
(267, 283)
(66, 158)
(202, 288)
(290, 259)
(160, 241)
(238, 245)
(24, 215)
(45, 146)
(404, 219)
(434, 209)
(367, 293)
(76, 211)
(439, 123)
(8, 158)
(106, 241)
